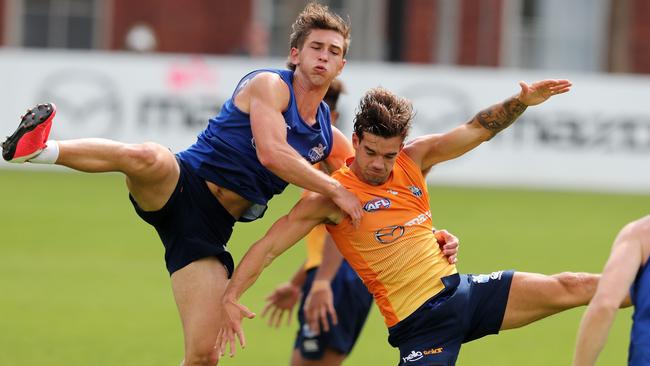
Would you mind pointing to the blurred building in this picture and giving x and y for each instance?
(590, 35)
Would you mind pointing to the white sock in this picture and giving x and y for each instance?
(48, 155)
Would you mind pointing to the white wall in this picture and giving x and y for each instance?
(596, 137)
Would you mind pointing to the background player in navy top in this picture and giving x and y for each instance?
(626, 272)
(266, 136)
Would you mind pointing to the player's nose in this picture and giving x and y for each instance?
(377, 164)
(323, 54)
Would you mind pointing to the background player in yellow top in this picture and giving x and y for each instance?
(429, 308)
(343, 294)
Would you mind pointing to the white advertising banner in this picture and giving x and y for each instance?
(596, 137)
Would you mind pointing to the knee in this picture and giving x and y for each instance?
(145, 156)
(578, 287)
(201, 356)
(574, 281)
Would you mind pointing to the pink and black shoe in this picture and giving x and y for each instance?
(31, 135)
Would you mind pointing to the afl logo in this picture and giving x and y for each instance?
(376, 204)
(417, 192)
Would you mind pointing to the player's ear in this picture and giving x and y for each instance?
(342, 67)
(355, 141)
(293, 55)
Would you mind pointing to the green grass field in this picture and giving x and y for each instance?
(82, 279)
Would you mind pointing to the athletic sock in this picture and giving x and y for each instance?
(48, 155)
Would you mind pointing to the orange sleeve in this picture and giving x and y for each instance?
(341, 150)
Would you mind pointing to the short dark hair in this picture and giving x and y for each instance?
(333, 93)
(317, 16)
(384, 114)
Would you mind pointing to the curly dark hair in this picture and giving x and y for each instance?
(317, 16)
(384, 114)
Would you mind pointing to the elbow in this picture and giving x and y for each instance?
(604, 307)
(268, 259)
(269, 160)
(481, 133)
(486, 135)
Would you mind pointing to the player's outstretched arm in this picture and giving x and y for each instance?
(308, 212)
(429, 150)
(628, 253)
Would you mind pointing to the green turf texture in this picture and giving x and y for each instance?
(82, 278)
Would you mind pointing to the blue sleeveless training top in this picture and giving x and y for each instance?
(224, 152)
(639, 353)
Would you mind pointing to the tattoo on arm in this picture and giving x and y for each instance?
(500, 116)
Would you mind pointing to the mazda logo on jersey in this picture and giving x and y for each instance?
(376, 204)
(389, 234)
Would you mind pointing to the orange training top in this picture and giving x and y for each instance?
(394, 250)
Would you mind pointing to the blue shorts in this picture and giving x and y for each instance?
(638, 353)
(352, 303)
(470, 307)
(192, 224)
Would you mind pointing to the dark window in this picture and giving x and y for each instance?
(396, 25)
(530, 28)
(59, 23)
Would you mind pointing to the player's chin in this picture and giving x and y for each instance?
(321, 79)
(375, 179)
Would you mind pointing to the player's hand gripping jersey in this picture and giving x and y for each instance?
(394, 250)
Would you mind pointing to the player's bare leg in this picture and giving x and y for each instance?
(152, 173)
(330, 358)
(151, 170)
(535, 296)
(198, 289)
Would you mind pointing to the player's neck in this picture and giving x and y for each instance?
(308, 97)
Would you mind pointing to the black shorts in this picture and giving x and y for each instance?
(352, 303)
(470, 307)
(192, 224)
